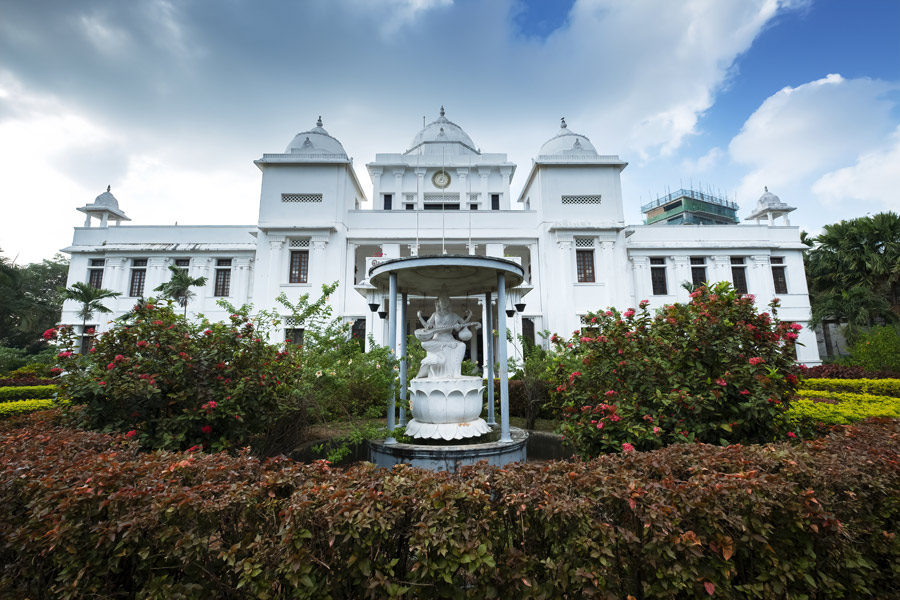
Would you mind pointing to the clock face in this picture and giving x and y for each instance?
(441, 179)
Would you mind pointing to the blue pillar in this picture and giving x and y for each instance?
(392, 344)
(501, 346)
(489, 357)
(403, 299)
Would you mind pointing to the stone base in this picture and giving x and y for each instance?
(447, 431)
(450, 458)
(446, 408)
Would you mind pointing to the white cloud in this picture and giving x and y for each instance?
(873, 181)
(704, 164)
(801, 132)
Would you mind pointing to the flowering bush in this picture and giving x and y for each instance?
(218, 386)
(713, 370)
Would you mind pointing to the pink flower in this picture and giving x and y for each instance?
(92, 350)
(574, 375)
(211, 404)
(64, 355)
(111, 366)
(49, 333)
(131, 433)
(721, 381)
(207, 332)
(611, 393)
(157, 322)
(656, 430)
(626, 447)
(614, 418)
(756, 360)
(791, 335)
(744, 392)
(193, 448)
(628, 313)
(600, 425)
(796, 326)
(791, 434)
(55, 371)
(142, 344)
(207, 429)
(118, 358)
(593, 319)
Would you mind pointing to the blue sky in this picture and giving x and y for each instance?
(170, 102)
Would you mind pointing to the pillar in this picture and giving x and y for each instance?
(392, 344)
(420, 189)
(504, 368)
(489, 355)
(404, 299)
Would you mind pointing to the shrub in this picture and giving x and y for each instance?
(834, 371)
(819, 519)
(713, 371)
(813, 409)
(19, 407)
(26, 392)
(26, 381)
(11, 359)
(219, 386)
(877, 350)
(878, 387)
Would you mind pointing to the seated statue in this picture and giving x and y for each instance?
(444, 352)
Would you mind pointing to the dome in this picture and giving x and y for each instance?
(107, 199)
(567, 142)
(768, 200)
(442, 131)
(315, 141)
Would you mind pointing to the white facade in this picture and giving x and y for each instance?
(442, 195)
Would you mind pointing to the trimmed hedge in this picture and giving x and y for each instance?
(846, 372)
(877, 387)
(812, 408)
(20, 381)
(103, 520)
(19, 407)
(26, 392)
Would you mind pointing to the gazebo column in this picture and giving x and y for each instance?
(501, 346)
(403, 384)
(489, 356)
(392, 344)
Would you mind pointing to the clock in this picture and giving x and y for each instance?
(441, 179)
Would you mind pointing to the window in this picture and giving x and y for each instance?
(293, 336)
(98, 262)
(473, 206)
(299, 272)
(778, 274)
(698, 270)
(739, 274)
(87, 338)
(584, 264)
(183, 263)
(658, 276)
(495, 201)
(528, 332)
(358, 332)
(138, 277)
(388, 202)
(223, 277)
(410, 207)
(95, 278)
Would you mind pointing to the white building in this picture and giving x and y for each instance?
(443, 195)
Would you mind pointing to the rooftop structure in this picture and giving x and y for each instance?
(690, 207)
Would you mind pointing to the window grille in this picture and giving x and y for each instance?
(301, 197)
(584, 263)
(98, 262)
(300, 243)
(584, 242)
(441, 197)
(658, 276)
(739, 274)
(410, 198)
(138, 277)
(581, 199)
(95, 278)
(698, 270)
(182, 262)
(779, 276)
(289, 321)
(293, 335)
(474, 196)
(139, 262)
(299, 270)
(223, 282)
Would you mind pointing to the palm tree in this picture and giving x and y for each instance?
(179, 286)
(90, 298)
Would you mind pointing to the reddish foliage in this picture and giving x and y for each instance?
(846, 372)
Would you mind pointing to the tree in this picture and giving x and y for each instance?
(179, 286)
(854, 272)
(91, 300)
(30, 302)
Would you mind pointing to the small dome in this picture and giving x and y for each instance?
(567, 142)
(107, 199)
(768, 200)
(315, 141)
(442, 131)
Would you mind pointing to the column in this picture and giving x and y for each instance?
(399, 200)
(241, 279)
(376, 187)
(404, 301)
(463, 189)
(489, 355)
(759, 279)
(720, 269)
(641, 272)
(420, 189)
(392, 344)
(276, 276)
(505, 200)
(157, 274)
(484, 200)
(501, 346)
(681, 271)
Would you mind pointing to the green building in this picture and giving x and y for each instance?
(690, 207)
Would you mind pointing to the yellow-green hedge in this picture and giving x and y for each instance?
(26, 392)
(878, 387)
(849, 408)
(8, 409)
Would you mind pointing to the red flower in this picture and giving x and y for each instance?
(207, 429)
(101, 383)
(744, 392)
(158, 322)
(756, 360)
(142, 344)
(131, 433)
(193, 448)
(721, 381)
(626, 447)
(791, 434)
(790, 335)
(796, 326)
(111, 366)
(92, 350)
(49, 333)
(207, 332)
(118, 358)
(64, 355)
(574, 375)
(628, 313)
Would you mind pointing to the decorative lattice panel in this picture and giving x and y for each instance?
(473, 197)
(410, 198)
(290, 322)
(581, 199)
(441, 197)
(301, 197)
(584, 242)
(299, 243)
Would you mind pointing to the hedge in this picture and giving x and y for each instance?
(19, 407)
(103, 520)
(846, 372)
(20, 381)
(26, 392)
(877, 387)
(812, 407)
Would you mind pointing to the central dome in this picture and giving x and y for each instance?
(447, 134)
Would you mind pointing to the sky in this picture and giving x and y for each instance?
(170, 102)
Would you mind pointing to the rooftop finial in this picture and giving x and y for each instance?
(319, 122)
(562, 123)
(108, 187)
(442, 110)
(766, 188)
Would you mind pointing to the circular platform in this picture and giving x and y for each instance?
(457, 275)
(450, 457)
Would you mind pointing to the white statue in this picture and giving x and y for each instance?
(444, 352)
